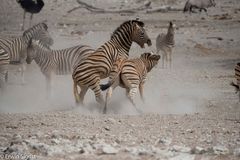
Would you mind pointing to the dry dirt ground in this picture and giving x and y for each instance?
(190, 113)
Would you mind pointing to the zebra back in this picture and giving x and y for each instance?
(60, 62)
(132, 70)
(118, 46)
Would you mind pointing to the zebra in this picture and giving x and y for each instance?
(132, 76)
(4, 61)
(16, 48)
(55, 62)
(237, 75)
(98, 65)
(200, 4)
(165, 43)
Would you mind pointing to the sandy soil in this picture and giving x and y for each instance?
(191, 111)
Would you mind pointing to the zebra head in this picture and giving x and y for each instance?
(150, 60)
(33, 48)
(139, 34)
(171, 28)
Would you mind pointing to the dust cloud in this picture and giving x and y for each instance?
(166, 91)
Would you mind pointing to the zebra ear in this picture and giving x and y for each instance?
(170, 23)
(155, 57)
(140, 23)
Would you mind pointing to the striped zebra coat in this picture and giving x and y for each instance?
(132, 76)
(165, 43)
(58, 62)
(17, 47)
(4, 62)
(98, 65)
(237, 75)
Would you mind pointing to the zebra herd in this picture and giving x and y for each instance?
(15, 49)
(87, 65)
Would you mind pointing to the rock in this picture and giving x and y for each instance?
(182, 149)
(17, 139)
(110, 120)
(165, 140)
(220, 150)
(3, 141)
(107, 149)
(189, 130)
(198, 150)
(236, 152)
(39, 147)
(55, 141)
(107, 128)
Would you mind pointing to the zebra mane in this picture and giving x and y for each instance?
(38, 26)
(39, 32)
(140, 23)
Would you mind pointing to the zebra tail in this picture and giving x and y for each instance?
(186, 7)
(235, 85)
(116, 71)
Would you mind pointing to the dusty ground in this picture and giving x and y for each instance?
(191, 111)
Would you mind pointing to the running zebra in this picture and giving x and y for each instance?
(98, 65)
(17, 47)
(165, 43)
(58, 62)
(4, 61)
(237, 75)
(132, 76)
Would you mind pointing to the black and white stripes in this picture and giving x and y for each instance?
(132, 76)
(59, 62)
(17, 47)
(4, 62)
(98, 65)
(237, 75)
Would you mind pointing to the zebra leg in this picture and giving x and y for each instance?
(2, 85)
(75, 92)
(23, 69)
(163, 59)
(82, 94)
(131, 94)
(6, 76)
(141, 91)
(97, 90)
(108, 96)
(24, 15)
(170, 58)
(239, 95)
(49, 86)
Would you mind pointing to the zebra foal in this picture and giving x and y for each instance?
(98, 65)
(165, 43)
(237, 75)
(17, 47)
(132, 76)
(55, 62)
